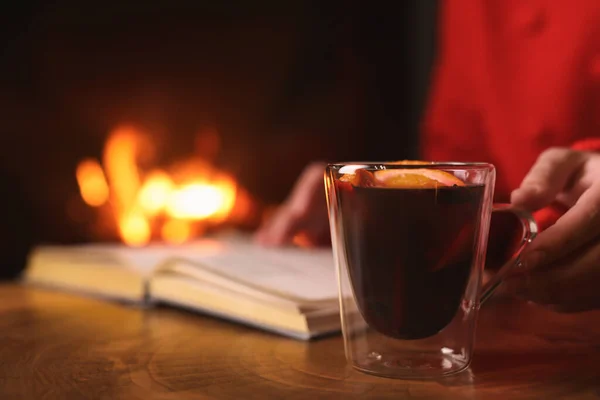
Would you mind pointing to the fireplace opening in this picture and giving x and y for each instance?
(134, 123)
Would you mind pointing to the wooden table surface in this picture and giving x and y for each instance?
(60, 346)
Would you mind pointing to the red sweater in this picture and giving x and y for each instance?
(513, 78)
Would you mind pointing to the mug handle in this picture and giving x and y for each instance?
(530, 231)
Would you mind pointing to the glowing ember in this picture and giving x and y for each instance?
(174, 203)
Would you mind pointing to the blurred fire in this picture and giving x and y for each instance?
(92, 183)
(173, 204)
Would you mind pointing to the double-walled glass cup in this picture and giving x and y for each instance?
(410, 260)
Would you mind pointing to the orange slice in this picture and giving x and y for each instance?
(347, 178)
(402, 178)
(416, 178)
(350, 177)
(364, 178)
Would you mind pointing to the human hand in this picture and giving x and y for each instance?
(561, 267)
(303, 213)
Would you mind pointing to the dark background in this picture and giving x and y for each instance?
(284, 84)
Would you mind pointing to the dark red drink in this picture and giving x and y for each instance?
(410, 253)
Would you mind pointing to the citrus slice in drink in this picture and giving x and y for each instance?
(409, 178)
(416, 178)
(360, 177)
(351, 174)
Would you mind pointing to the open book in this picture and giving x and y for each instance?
(290, 291)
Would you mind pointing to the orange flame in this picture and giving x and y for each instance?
(200, 201)
(155, 192)
(134, 229)
(121, 166)
(92, 183)
(174, 205)
(176, 231)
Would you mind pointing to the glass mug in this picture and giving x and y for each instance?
(410, 262)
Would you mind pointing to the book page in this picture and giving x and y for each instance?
(307, 274)
(299, 273)
(141, 260)
(303, 274)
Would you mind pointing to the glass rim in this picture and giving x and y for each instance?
(414, 165)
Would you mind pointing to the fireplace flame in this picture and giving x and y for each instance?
(134, 228)
(120, 160)
(173, 204)
(92, 182)
(155, 193)
(176, 231)
(201, 200)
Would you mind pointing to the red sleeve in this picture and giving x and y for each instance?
(548, 216)
(452, 121)
(589, 144)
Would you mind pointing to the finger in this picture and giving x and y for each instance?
(570, 286)
(309, 187)
(581, 181)
(549, 175)
(284, 227)
(261, 234)
(280, 229)
(577, 227)
(287, 221)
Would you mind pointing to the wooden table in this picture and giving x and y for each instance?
(59, 346)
